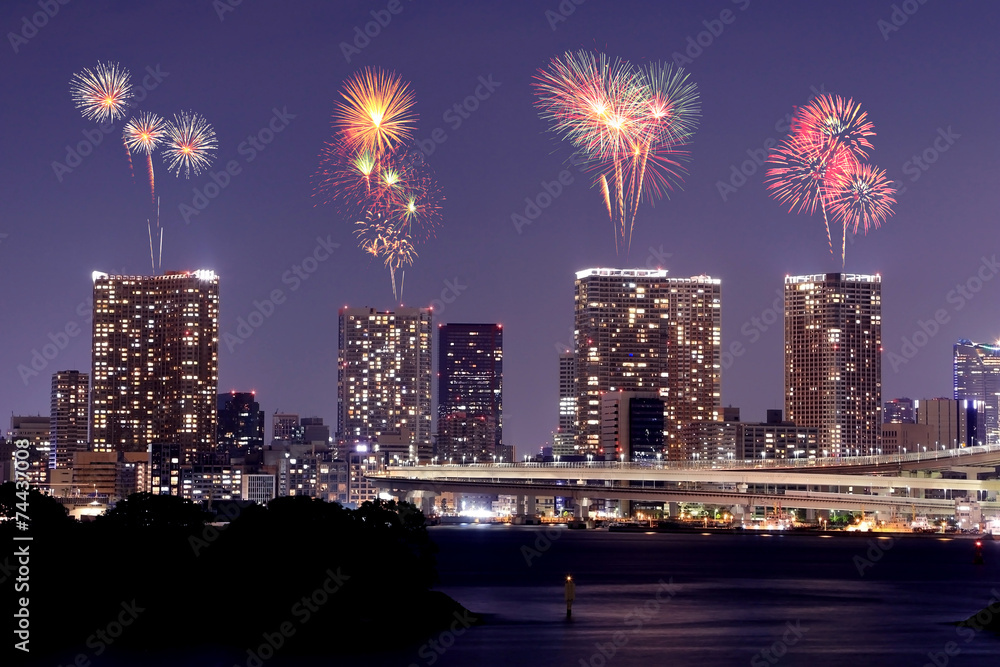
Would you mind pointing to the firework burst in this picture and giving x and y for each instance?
(377, 112)
(627, 125)
(144, 133)
(102, 93)
(191, 144)
(819, 165)
(864, 198)
(366, 172)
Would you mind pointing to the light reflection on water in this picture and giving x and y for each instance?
(836, 601)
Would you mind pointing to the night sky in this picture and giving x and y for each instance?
(929, 85)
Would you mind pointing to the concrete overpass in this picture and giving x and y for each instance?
(849, 483)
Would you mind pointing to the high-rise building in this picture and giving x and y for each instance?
(70, 404)
(241, 423)
(632, 425)
(314, 430)
(977, 378)
(833, 359)
(37, 431)
(564, 440)
(950, 423)
(898, 411)
(384, 381)
(155, 361)
(470, 383)
(638, 330)
(285, 426)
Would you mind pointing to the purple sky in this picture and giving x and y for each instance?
(931, 82)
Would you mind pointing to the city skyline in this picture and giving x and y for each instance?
(929, 105)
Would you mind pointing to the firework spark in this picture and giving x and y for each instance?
(102, 93)
(377, 111)
(864, 198)
(388, 193)
(145, 132)
(628, 126)
(819, 165)
(191, 144)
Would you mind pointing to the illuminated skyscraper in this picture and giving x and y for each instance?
(241, 423)
(563, 444)
(155, 361)
(977, 378)
(70, 403)
(470, 390)
(833, 359)
(638, 330)
(384, 381)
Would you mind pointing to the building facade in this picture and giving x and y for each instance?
(68, 423)
(240, 423)
(564, 439)
(977, 378)
(155, 361)
(638, 330)
(833, 359)
(898, 411)
(470, 383)
(384, 381)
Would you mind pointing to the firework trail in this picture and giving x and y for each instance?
(190, 144)
(628, 125)
(387, 192)
(820, 165)
(102, 93)
(144, 133)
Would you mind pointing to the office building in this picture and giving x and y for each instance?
(70, 404)
(632, 426)
(776, 439)
(898, 411)
(470, 383)
(314, 430)
(950, 423)
(384, 382)
(977, 378)
(564, 439)
(833, 359)
(155, 361)
(640, 331)
(285, 427)
(240, 423)
(37, 431)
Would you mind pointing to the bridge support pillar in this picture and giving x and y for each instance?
(672, 510)
(427, 503)
(529, 505)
